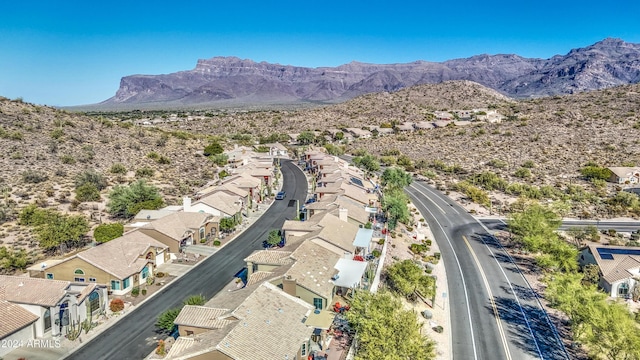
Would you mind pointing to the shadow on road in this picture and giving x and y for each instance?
(530, 332)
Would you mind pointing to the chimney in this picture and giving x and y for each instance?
(186, 204)
(343, 214)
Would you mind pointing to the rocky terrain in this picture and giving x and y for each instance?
(234, 82)
(553, 137)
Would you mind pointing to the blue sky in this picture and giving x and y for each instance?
(75, 52)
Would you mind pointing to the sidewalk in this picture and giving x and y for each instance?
(60, 347)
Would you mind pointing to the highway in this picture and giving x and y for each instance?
(134, 336)
(494, 312)
(619, 226)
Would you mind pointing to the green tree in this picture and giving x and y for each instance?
(108, 232)
(367, 162)
(534, 220)
(395, 178)
(13, 259)
(394, 203)
(166, 320)
(409, 279)
(593, 171)
(87, 192)
(384, 330)
(227, 224)
(66, 229)
(124, 200)
(274, 237)
(219, 159)
(306, 138)
(214, 148)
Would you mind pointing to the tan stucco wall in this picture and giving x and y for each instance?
(174, 246)
(213, 355)
(182, 329)
(65, 271)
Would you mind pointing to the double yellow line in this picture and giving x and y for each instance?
(493, 303)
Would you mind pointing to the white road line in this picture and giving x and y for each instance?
(464, 285)
(553, 328)
(429, 190)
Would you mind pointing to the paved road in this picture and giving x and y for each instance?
(494, 312)
(133, 336)
(620, 226)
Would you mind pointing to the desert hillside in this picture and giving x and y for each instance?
(550, 138)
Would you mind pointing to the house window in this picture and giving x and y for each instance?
(94, 301)
(317, 302)
(78, 272)
(189, 332)
(145, 272)
(47, 320)
(78, 279)
(115, 285)
(202, 230)
(49, 276)
(92, 279)
(623, 290)
(126, 282)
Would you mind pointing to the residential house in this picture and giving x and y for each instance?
(268, 324)
(367, 197)
(442, 123)
(227, 188)
(218, 205)
(405, 127)
(310, 277)
(619, 267)
(443, 115)
(246, 182)
(120, 264)
(359, 133)
(53, 304)
(266, 261)
(17, 325)
(183, 228)
(490, 116)
(463, 114)
(424, 125)
(328, 230)
(625, 175)
(239, 156)
(278, 150)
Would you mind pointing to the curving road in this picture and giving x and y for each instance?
(494, 312)
(133, 336)
(620, 226)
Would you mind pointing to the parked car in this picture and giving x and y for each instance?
(281, 195)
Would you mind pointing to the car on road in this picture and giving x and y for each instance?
(281, 195)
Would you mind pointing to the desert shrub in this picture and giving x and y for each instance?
(145, 172)
(87, 192)
(153, 155)
(91, 177)
(522, 173)
(33, 177)
(116, 305)
(135, 291)
(376, 253)
(216, 243)
(118, 168)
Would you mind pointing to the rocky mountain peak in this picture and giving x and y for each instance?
(232, 80)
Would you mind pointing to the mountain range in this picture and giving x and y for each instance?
(234, 81)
